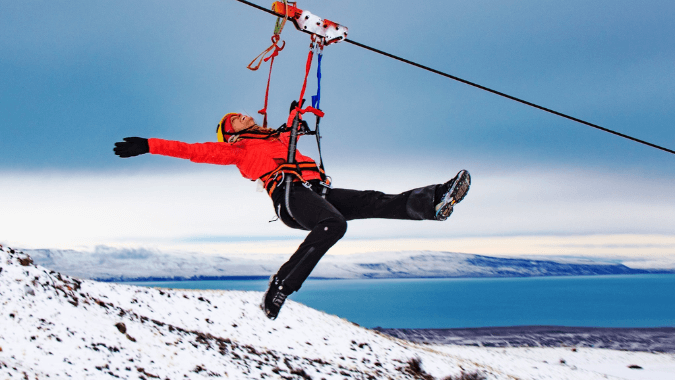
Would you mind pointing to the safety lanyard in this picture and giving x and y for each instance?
(317, 43)
(274, 49)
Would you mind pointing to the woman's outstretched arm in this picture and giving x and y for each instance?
(210, 153)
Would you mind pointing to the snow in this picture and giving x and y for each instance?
(108, 263)
(57, 326)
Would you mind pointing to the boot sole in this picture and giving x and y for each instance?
(456, 194)
(262, 304)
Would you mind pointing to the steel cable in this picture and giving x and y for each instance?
(479, 86)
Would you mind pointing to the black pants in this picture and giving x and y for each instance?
(326, 219)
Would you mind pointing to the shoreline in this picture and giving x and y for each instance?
(125, 280)
(639, 339)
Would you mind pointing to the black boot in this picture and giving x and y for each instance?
(274, 298)
(457, 189)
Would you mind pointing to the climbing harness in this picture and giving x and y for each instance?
(323, 32)
(278, 176)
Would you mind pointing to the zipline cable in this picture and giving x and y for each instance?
(479, 86)
(508, 96)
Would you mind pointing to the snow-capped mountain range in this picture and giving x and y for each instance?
(114, 264)
(57, 326)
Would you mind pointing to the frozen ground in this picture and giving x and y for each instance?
(58, 326)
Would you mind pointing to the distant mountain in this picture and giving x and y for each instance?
(112, 264)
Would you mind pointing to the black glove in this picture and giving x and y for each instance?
(132, 146)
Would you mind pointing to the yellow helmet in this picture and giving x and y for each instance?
(225, 126)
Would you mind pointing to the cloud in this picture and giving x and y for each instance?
(212, 205)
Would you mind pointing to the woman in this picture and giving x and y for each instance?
(260, 154)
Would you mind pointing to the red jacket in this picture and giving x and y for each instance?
(253, 157)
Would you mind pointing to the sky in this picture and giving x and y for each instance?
(77, 76)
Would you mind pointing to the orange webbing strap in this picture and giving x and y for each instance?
(276, 181)
(275, 39)
(273, 179)
(261, 58)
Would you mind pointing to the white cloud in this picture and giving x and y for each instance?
(213, 206)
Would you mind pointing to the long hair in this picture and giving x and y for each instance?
(253, 132)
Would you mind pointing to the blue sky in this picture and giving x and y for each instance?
(77, 76)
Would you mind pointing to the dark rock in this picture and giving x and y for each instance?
(25, 261)
(121, 327)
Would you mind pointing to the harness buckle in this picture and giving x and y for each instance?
(276, 175)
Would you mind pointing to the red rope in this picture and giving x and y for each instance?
(277, 49)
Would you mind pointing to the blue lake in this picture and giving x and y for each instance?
(592, 301)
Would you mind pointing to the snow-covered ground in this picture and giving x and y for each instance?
(57, 326)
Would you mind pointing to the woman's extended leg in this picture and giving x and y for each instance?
(415, 204)
(326, 219)
(326, 225)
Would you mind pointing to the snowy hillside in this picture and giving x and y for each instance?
(58, 326)
(105, 263)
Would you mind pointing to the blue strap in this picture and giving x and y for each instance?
(316, 99)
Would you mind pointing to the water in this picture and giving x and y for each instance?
(592, 301)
